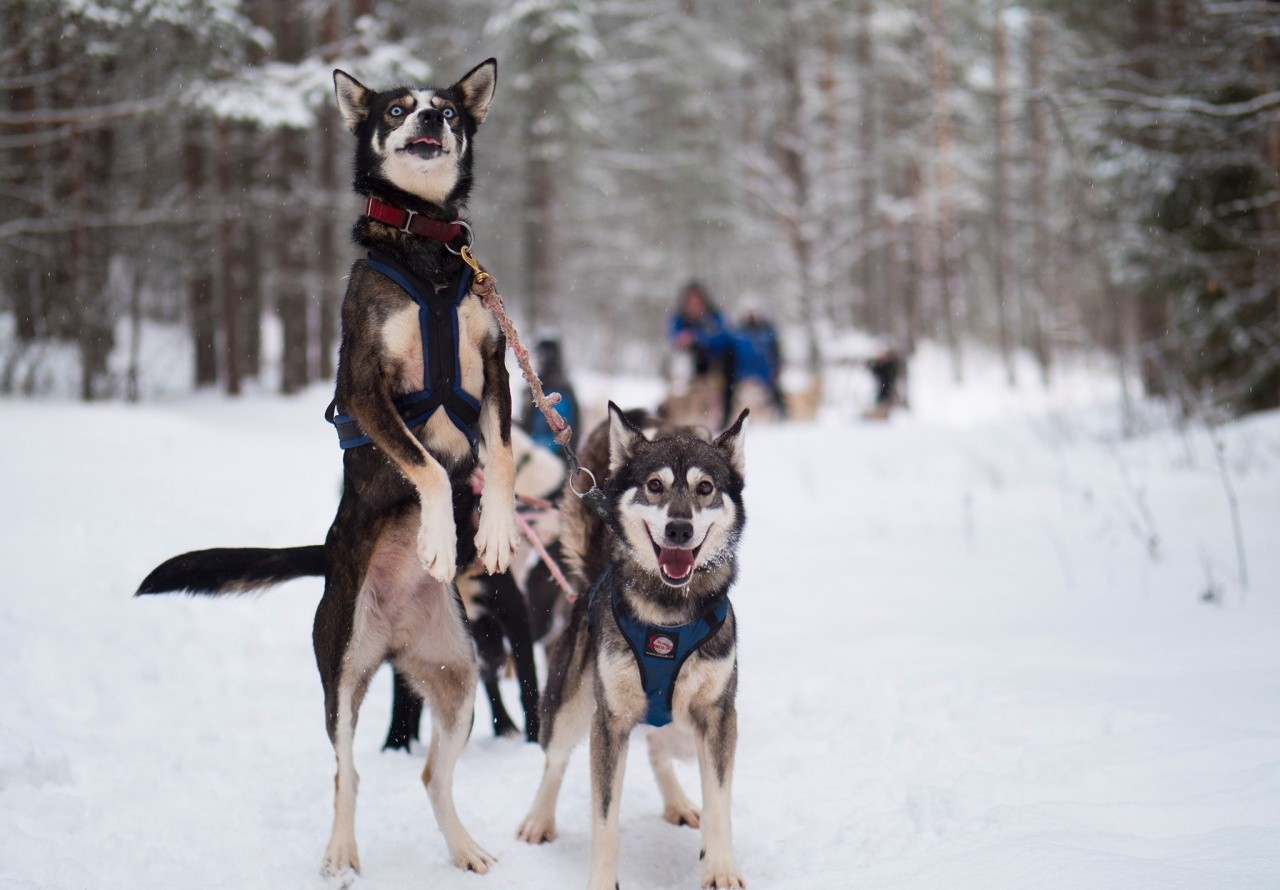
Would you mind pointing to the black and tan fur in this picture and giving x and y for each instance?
(679, 481)
(393, 548)
(498, 617)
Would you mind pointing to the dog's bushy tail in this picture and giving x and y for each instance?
(233, 570)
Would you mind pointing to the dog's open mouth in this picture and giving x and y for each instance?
(425, 147)
(675, 564)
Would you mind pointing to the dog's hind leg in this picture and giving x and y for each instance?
(664, 744)
(344, 697)
(561, 733)
(348, 651)
(565, 716)
(490, 646)
(451, 716)
(503, 725)
(512, 612)
(406, 716)
(717, 735)
(442, 664)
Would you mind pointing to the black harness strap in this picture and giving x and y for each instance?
(441, 364)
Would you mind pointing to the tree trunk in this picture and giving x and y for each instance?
(18, 276)
(200, 284)
(948, 282)
(1035, 321)
(539, 221)
(92, 155)
(793, 161)
(291, 263)
(291, 235)
(233, 283)
(1000, 191)
(871, 267)
(1148, 314)
(329, 258)
(1266, 64)
(249, 250)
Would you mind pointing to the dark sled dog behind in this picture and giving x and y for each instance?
(655, 639)
(412, 418)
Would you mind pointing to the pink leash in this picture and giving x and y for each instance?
(477, 485)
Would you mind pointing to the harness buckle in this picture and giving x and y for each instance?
(408, 221)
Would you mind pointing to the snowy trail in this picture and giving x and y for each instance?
(960, 668)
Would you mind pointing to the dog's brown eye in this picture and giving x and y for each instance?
(705, 488)
(655, 486)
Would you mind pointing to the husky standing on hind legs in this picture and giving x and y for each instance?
(655, 640)
(421, 385)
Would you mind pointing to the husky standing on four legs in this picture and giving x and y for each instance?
(654, 641)
(422, 385)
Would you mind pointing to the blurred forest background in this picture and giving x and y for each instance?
(1054, 177)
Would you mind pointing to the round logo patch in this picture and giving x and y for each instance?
(661, 645)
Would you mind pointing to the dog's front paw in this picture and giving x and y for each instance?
(341, 862)
(722, 875)
(496, 539)
(537, 829)
(438, 544)
(682, 813)
(470, 856)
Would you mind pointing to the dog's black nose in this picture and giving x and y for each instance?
(431, 115)
(679, 531)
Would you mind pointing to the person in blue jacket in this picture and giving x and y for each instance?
(550, 367)
(697, 325)
(757, 354)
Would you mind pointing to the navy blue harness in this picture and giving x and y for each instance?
(441, 367)
(661, 651)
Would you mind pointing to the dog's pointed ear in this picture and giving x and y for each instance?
(477, 87)
(730, 441)
(623, 437)
(353, 98)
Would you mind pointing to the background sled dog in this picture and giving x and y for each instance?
(409, 448)
(655, 641)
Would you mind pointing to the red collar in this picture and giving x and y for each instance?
(412, 222)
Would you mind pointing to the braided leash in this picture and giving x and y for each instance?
(484, 286)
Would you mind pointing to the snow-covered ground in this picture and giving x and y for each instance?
(975, 653)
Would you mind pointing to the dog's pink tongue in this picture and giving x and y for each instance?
(677, 563)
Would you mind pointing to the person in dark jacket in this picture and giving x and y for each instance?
(698, 326)
(758, 354)
(549, 363)
(886, 368)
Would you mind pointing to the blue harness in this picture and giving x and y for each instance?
(441, 367)
(661, 651)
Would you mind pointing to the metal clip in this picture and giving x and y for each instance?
(408, 221)
(480, 274)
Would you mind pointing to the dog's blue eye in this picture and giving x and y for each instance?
(448, 113)
(655, 486)
(396, 111)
